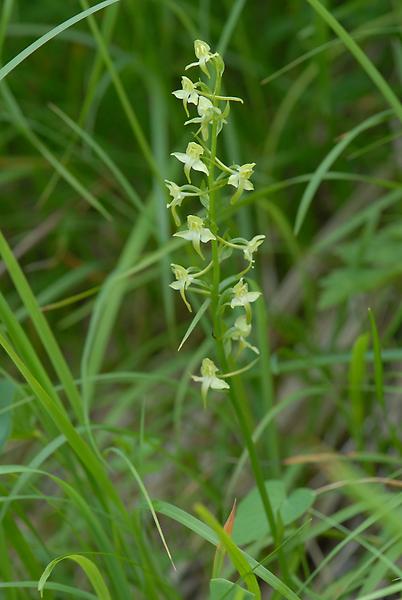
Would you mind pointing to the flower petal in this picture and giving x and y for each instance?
(207, 235)
(199, 166)
(218, 384)
(180, 156)
(186, 235)
(253, 296)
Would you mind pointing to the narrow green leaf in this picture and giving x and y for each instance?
(57, 587)
(378, 368)
(230, 25)
(110, 164)
(222, 589)
(210, 536)
(194, 322)
(4, 71)
(233, 551)
(7, 392)
(41, 325)
(24, 127)
(58, 414)
(360, 56)
(89, 568)
(329, 160)
(357, 370)
(390, 590)
(147, 499)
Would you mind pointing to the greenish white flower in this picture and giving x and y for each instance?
(241, 175)
(207, 114)
(209, 379)
(178, 196)
(239, 332)
(196, 233)
(204, 54)
(183, 280)
(192, 159)
(241, 295)
(240, 179)
(252, 247)
(188, 93)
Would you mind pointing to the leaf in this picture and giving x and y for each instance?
(89, 568)
(222, 589)
(194, 322)
(7, 391)
(4, 71)
(220, 550)
(180, 516)
(251, 524)
(296, 505)
(342, 284)
(236, 556)
(148, 500)
(362, 58)
(357, 371)
(378, 368)
(327, 163)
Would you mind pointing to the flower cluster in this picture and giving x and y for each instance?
(200, 161)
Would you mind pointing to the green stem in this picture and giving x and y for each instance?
(237, 392)
(213, 224)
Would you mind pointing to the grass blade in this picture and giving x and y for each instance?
(357, 371)
(89, 568)
(329, 160)
(148, 500)
(360, 56)
(4, 71)
(233, 551)
(378, 368)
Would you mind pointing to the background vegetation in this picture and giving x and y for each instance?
(90, 327)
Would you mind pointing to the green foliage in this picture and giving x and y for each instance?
(87, 565)
(251, 526)
(7, 395)
(221, 589)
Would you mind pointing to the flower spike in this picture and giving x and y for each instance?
(212, 112)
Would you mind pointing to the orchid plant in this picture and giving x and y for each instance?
(230, 298)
